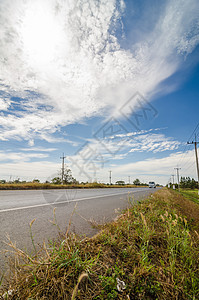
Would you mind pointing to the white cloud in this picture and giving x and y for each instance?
(31, 143)
(95, 156)
(141, 141)
(157, 169)
(153, 143)
(39, 149)
(20, 156)
(160, 168)
(43, 170)
(4, 104)
(68, 54)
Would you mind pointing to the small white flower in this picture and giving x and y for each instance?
(120, 285)
(8, 293)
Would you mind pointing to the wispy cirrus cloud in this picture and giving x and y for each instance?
(64, 60)
(95, 155)
(137, 141)
(153, 143)
(38, 149)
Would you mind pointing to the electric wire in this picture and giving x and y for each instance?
(184, 161)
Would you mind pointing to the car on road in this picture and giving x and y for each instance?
(152, 184)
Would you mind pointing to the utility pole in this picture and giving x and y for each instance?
(196, 153)
(62, 169)
(173, 178)
(110, 177)
(177, 169)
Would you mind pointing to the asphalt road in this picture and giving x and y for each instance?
(19, 208)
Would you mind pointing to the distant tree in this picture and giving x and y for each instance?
(2, 181)
(67, 178)
(188, 183)
(136, 181)
(16, 180)
(120, 182)
(56, 180)
(36, 181)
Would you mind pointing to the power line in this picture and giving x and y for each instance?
(185, 150)
(187, 162)
(196, 154)
(184, 154)
(189, 167)
(197, 127)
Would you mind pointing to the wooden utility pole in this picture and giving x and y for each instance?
(196, 153)
(110, 177)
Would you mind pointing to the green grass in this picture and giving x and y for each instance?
(152, 248)
(190, 194)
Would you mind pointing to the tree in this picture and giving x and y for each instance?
(67, 178)
(36, 181)
(136, 181)
(120, 182)
(56, 180)
(188, 183)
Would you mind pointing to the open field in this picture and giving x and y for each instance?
(149, 252)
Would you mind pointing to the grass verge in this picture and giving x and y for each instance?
(149, 252)
(190, 194)
(41, 186)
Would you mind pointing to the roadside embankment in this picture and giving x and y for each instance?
(149, 252)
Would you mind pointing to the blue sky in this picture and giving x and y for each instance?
(112, 85)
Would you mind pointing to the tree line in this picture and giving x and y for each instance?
(186, 183)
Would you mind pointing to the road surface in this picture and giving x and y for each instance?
(19, 208)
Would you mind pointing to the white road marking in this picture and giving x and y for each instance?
(61, 202)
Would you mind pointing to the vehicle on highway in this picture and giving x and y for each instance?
(152, 184)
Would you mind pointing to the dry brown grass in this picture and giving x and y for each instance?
(39, 186)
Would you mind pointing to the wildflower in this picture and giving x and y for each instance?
(143, 219)
(185, 222)
(196, 233)
(32, 222)
(7, 294)
(161, 216)
(120, 285)
(176, 216)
